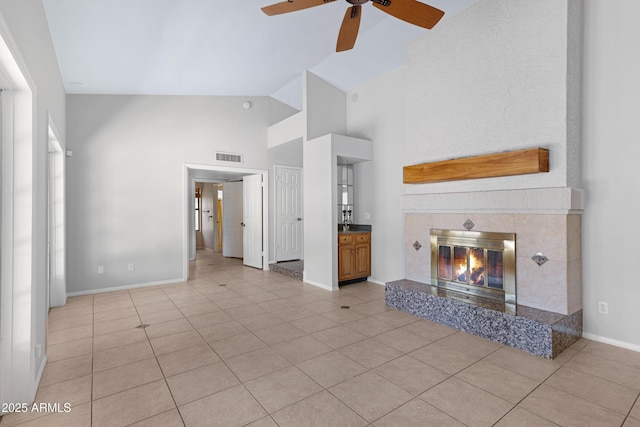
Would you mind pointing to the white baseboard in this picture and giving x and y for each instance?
(318, 284)
(121, 288)
(610, 341)
(36, 384)
(377, 282)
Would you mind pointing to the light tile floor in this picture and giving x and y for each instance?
(236, 346)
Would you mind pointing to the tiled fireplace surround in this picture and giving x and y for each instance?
(548, 317)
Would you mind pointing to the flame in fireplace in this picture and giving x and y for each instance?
(477, 269)
(461, 274)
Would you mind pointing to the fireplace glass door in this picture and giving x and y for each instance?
(474, 262)
(473, 266)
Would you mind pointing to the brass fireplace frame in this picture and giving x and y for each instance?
(505, 242)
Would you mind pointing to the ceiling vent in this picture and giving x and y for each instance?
(228, 157)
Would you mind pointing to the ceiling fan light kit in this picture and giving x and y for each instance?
(411, 11)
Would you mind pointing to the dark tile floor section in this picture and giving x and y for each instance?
(289, 268)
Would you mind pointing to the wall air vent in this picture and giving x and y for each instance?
(228, 157)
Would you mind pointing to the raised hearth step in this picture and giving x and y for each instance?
(538, 332)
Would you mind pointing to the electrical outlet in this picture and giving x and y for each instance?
(100, 269)
(603, 307)
(131, 267)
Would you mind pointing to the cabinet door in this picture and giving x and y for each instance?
(363, 260)
(345, 262)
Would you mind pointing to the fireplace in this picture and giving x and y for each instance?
(547, 265)
(476, 263)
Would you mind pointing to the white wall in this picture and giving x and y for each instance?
(611, 151)
(320, 246)
(494, 78)
(325, 113)
(493, 97)
(320, 186)
(324, 107)
(376, 111)
(25, 29)
(125, 180)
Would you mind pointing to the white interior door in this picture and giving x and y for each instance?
(288, 213)
(232, 214)
(208, 223)
(252, 221)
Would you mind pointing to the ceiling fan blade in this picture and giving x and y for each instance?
(292, 6)
(412, 11)
(349, 28)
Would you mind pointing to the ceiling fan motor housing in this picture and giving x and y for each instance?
(356, 2)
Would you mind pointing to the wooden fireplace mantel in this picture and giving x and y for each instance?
(509, 163)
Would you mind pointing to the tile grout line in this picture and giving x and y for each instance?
(221, 360)
(292, 365)
(236, 376)
(628, 416)
(159, 367)
(517, 405)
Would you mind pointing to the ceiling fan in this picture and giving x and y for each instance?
(411, 11)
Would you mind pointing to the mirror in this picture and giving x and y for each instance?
(345, 193)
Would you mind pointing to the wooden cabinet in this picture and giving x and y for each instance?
(354, 256)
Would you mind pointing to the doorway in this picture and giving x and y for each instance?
(208, 215)
(242, 220)
(211, 173)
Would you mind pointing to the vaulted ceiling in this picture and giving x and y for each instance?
(215, 47)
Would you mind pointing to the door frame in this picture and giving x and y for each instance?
(56, 220)
(275, 208)
(19, 375)
(189, 183)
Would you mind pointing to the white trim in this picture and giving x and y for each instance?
(17, 370)
(6, 251)
(377, 282)
(265, 220)
(43, 363)
(125, 287)
(560, 200)
(56, 219)
(611, 341)
(317, 284)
